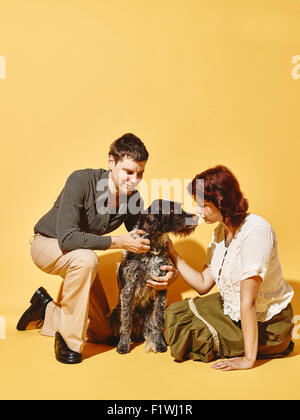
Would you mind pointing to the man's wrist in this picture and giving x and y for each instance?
(116, 242)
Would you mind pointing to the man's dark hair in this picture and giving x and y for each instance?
(129, 146)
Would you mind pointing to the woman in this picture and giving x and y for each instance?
(251, 316)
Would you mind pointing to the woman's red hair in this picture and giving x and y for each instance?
(222, 189)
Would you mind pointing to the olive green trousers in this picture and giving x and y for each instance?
(198, 329)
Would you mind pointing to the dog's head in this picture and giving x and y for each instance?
(164, 216)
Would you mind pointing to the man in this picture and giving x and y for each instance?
(93, 202)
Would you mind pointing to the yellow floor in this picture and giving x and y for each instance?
(202, 83)
(29, 369)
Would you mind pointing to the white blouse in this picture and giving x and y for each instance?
(252, 252)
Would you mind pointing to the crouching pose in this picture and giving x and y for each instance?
(93, 203)
(251, 315)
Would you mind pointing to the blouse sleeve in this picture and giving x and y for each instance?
(256, 252)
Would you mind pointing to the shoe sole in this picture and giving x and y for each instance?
(69, 361)
(36, 296)
(24, 322)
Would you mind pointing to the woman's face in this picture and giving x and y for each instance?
(209, 212)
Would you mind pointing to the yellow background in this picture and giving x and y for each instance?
(201, 83)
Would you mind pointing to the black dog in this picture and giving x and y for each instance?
(139, 314)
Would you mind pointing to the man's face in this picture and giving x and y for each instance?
(126, 174)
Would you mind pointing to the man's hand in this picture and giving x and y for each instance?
(132, 242)
(163, 282)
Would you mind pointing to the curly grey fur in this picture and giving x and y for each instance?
(139, 314)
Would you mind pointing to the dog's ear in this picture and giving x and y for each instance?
(155, 207)
(170, 217)
(150, 223)
(166, 223)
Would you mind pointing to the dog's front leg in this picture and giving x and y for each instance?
(154, 327)
(159, 306)
(125, 299)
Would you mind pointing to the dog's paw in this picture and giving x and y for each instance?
(161, 348)
(123, 348)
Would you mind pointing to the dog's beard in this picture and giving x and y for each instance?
(183, 232)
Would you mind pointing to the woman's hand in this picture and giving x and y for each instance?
(235, 363)
(163, 282)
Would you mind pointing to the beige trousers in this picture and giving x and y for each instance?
(80, 314)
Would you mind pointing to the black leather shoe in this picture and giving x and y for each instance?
(34, 316)
(62, 352)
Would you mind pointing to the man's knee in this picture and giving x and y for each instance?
(85, 259)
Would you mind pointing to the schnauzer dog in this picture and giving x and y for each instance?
(139, 314)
